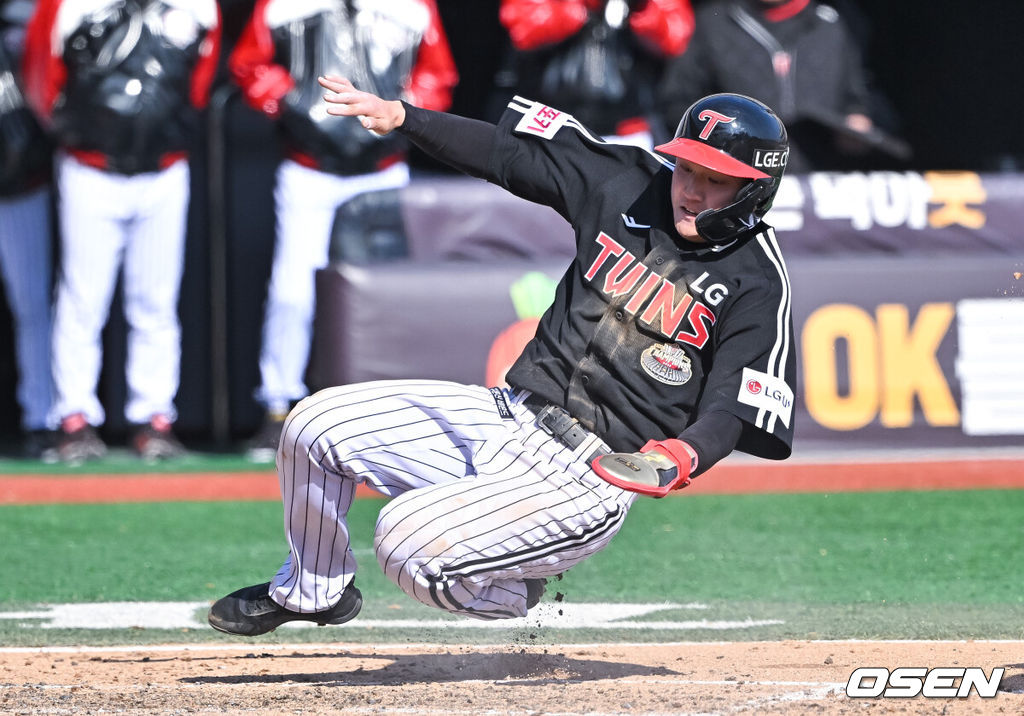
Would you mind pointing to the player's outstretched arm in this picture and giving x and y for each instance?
(344, 100)
(463, 143)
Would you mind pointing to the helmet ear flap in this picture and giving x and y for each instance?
(720, 226)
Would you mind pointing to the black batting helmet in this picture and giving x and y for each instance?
(736, 135)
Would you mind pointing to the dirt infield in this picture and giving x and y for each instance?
(792, 677)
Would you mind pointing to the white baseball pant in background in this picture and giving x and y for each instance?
(109, 221)
(305, 200)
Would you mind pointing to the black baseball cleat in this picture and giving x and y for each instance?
(250, 611)
(535, 588)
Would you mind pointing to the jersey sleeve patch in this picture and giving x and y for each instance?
(768, 393)
(541, 121)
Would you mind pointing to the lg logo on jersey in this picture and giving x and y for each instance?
(766, 392)
(654, 297)
(783, 398)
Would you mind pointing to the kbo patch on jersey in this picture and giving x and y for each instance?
(541, 121)
(667, 363)
(766, 392)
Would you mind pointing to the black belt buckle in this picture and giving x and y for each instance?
(557, 423)
(553, 420)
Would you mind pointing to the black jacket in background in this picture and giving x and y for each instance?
(808, 68)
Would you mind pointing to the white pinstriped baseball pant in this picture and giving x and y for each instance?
(481, 502)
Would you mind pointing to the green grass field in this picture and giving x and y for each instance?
(899, 565)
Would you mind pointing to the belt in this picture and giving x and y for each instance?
(128, 166)
(559, 424)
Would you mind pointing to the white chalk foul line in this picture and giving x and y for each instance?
(183, 615)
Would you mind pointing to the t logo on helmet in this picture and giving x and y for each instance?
(712, 118)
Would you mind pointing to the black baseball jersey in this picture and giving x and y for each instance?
(647, 331)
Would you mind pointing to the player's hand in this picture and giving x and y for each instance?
(375, 114)
(660, 467)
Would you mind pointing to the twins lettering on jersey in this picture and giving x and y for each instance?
(653, 296)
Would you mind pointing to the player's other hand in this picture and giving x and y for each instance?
(375, 114)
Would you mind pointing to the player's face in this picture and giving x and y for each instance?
(696, 188)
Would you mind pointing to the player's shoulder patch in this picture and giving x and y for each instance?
(767, 393)
(538, 120)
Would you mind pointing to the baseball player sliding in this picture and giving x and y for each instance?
(666, 348)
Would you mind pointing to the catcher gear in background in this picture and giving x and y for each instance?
(130, 70)
(660, 467)
(739, 136)
(370, 42)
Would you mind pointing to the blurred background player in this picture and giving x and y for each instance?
(396, 47)
(599, 60)
(25, 233)
(121, 83)
(801, 57)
